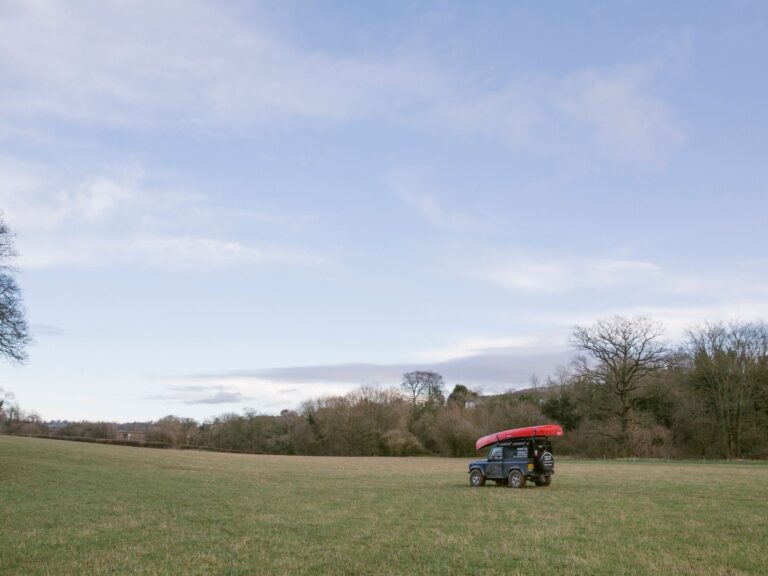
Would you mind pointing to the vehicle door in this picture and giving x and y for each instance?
(495, 459)
(516, 458)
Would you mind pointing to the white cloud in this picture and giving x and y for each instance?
(186, 65)
(677, 320)
(39, 198)
(115, 217)
(267, 395)
(493, 369)
(26, 202)
(623, 116)
(540, 275)
(601, 114)
(138, 62)
(97, 197)
(477, 346)
(430, 208)
(527, 273)
(167, 252)
(207, 252)
(587, 288)
(414, 189)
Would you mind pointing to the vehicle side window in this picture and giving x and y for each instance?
(496, 453)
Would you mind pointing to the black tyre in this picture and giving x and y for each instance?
(476, 479)
(545, 463)
(516, 479)
(547, 480)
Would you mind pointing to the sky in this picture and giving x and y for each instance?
(231, 205)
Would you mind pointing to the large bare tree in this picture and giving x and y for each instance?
(14, 333)
(620, 355)
(420, 384)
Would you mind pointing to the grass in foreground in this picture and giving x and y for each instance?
(71, 508)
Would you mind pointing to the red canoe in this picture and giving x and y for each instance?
(545, 430)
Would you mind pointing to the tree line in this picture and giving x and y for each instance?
(627, 393)
(630, 394)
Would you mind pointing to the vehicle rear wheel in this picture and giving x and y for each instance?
(547, 480)
(516, 479)
(476, 478)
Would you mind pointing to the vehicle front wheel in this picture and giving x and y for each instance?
(476, 479)
(516, 479)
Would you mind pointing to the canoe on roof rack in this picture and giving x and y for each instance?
(516, 433)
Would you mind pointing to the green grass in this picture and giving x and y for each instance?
(72, 508)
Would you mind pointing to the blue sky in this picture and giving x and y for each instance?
(230, 205)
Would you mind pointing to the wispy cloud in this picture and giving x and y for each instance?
(166, 252)
(115, 217)
(623, 116)
(675, 319)
(435, 213)
(197, 63)
(415, 189)
(199, 66)
(542, 274)
(202, 395)
(678, 319)
(40, 197)
(590, 114)
(490, 365)
(606, 286)
(479, 346)
(237, 389)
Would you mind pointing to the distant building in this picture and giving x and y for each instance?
(132, 431)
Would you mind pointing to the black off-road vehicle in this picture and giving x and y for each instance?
(513, 460)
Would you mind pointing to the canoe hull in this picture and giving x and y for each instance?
(515, 433)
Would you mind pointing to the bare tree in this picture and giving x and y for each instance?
(728, 363)
(14, 333)
(420, 385)
(9, 410)
(6, 399)
(621, 355)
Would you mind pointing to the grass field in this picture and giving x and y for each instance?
(71, 508)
